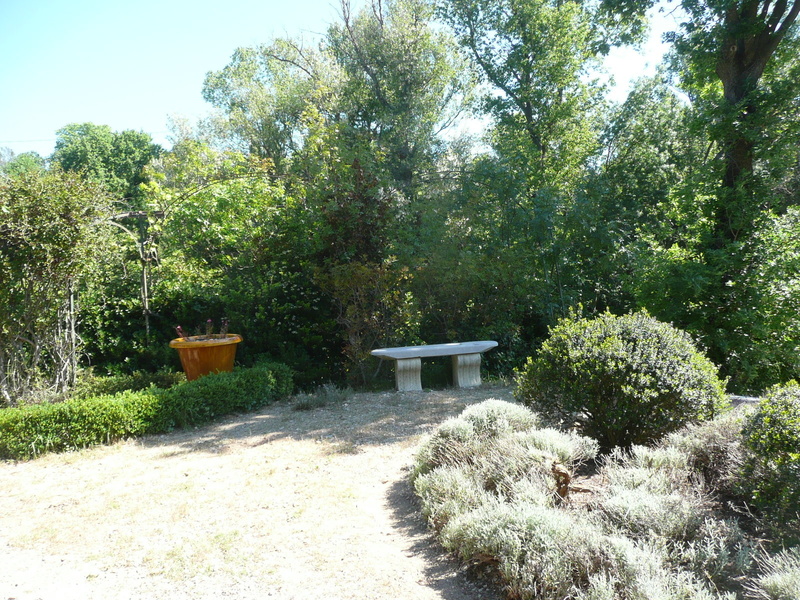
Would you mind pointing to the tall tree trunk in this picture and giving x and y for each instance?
(753, 29)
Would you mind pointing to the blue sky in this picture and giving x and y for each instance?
(132, 65)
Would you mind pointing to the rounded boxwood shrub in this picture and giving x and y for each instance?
(623, 380)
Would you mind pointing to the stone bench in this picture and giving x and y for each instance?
(408, 363)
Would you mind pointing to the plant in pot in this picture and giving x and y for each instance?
(206, 353)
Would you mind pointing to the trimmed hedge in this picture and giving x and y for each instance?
(90, 385)
(29, 431)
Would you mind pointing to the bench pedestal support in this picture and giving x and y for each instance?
(467, 370)
(407, 374)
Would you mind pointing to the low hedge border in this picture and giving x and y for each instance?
(29, 431)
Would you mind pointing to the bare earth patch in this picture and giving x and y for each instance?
(274, 504)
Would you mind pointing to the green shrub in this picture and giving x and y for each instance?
(29, 431)
(771, 471)
(199, 401)
(624, 380)
(90, 385)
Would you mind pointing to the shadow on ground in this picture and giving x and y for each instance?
(364, 419)
(444, 574)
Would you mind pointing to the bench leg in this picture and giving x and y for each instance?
(407, 374)
(467, 370)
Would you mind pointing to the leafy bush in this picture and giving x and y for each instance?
(625, 380)
(29, 431)
(50, 233)
(90, 385)
(199, 401)
(771, 472)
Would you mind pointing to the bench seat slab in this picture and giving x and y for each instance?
(434, 350)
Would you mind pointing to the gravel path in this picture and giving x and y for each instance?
(275, 504)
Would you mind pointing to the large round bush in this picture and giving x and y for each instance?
(623, 380)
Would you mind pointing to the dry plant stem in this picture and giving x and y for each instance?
(275, 504)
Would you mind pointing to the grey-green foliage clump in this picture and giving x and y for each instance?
(502, 448)
(488, 487)
(624, 380)
(778, 578)
(713, 448)
(325, 395)
(649, 493)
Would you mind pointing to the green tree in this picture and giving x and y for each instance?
(403, 82)
(114, 159)
(20, 164)
(494, 260)
(732, 43)
(49, 235)
(738, 61)
(262, 95)
(536, 56)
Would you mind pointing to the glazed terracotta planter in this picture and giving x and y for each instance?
(202, 354)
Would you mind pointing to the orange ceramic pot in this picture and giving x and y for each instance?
(201, 355)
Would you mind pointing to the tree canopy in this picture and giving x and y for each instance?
(340, 196)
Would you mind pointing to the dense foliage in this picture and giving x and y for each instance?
(772, 467)
(49, 235)
(623, 380)
(435, 171)
(28, 431)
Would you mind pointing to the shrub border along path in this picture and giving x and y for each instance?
(30, 431)
(277, 503)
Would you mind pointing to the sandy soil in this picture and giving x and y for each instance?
(274, 504)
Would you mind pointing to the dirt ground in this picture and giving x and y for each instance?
(279, 503)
